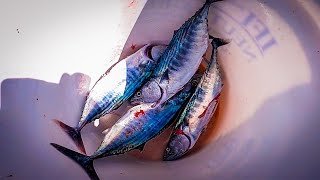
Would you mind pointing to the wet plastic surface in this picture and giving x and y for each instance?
(267, 124)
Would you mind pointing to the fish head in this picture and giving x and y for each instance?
(178, 145)
(148, 93)
(149, 56)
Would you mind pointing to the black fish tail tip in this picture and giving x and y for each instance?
(217, 42)
(58, 147)
(73, 133)
(82, 160)
(212, 1)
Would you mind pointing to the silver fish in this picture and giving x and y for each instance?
(199, 109)
(180, 60)
(139, 125)
(110, 91)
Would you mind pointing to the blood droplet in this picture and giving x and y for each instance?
(179, 132)
(137, 114)
(133, 46)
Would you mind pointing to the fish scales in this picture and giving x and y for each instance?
(132, 131)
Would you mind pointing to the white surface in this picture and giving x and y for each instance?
(268, 123)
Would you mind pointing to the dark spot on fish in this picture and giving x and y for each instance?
(200, 98)
(192, 33)
(177, 63)
(133, 46)
(44, 115)
(183, 51)
(196, 105)
(18, 31)
(137, 114)
(187, 45)
(180, 56)
(128, 133)
(37, 99)
(174, 68)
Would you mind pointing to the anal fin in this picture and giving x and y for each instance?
(141, 147)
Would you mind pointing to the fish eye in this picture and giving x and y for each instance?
(194, 82)
(138, 94)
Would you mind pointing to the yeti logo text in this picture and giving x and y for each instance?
(259, 31)
(245, 29)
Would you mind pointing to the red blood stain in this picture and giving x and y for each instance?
(132, 3)
(179, 132)
(140, 126)
(133, 46)
(137, 114)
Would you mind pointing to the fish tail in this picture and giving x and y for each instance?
(86, 162)
(217, 42)
(74, 134)
(212, 1)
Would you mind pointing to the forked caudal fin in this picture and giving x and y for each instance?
(84, 161)
(74, 134)
(217, 42)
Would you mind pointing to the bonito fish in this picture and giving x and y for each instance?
(199, 109)
(180, 60)
(140, 124)
(120, 82)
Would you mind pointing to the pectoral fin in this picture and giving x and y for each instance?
(206, 110)
(106, 131)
